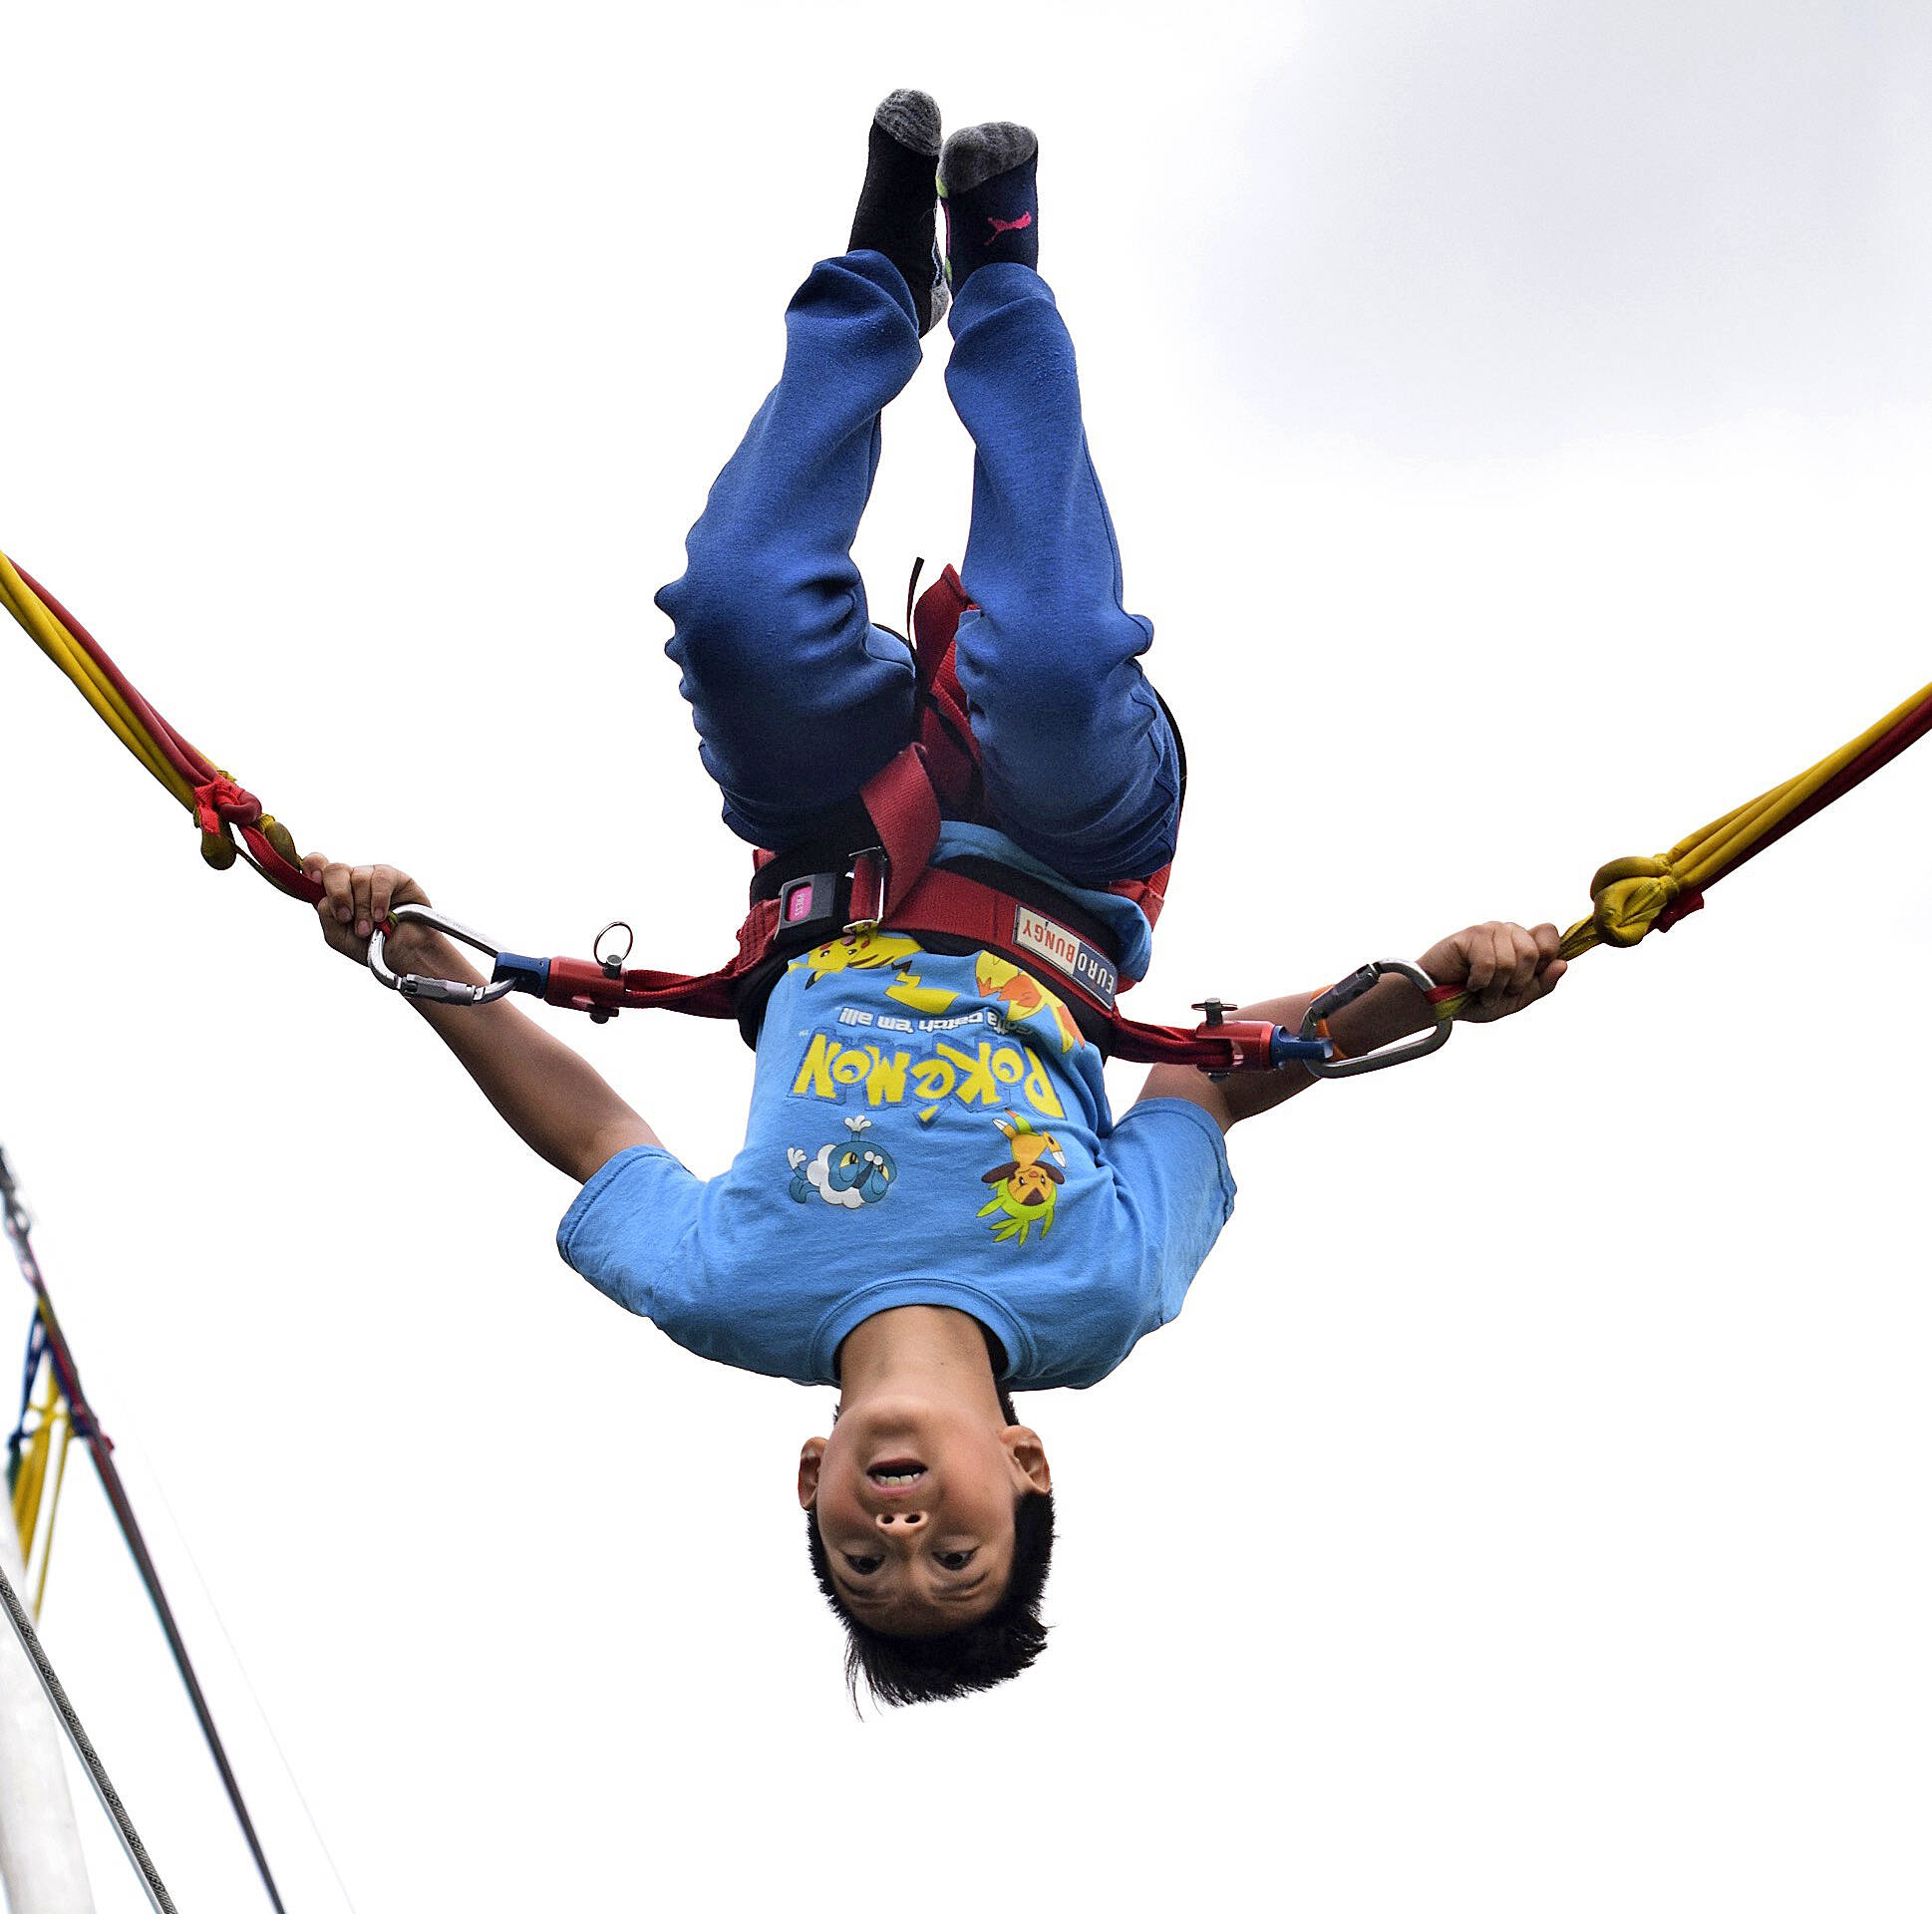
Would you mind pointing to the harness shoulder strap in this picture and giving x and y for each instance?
(944, 727)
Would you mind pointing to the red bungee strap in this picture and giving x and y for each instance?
(1876, 757)
(219, 802)
(193, 767)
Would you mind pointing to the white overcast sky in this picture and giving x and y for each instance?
(1518, 424)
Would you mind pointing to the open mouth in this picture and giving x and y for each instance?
(898, 1471)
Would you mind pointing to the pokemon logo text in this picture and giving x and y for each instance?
(971, 1069)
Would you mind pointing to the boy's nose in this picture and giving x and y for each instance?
(902, 1520)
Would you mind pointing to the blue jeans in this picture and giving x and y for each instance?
(799, 698)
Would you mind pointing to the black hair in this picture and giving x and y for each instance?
(898, 1668)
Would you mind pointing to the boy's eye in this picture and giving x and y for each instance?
(863, 1564)
(957, 1558)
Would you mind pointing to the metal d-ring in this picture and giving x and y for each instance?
(614, 965)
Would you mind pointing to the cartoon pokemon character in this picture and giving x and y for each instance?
(925, 999)
(1025, 1188)
(1025, 997)
(863, 950)
(847, 1176)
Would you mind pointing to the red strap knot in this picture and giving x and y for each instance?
(221, 802)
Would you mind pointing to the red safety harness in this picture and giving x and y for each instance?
(868, 870)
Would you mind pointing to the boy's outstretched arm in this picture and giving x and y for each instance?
(1504, 968)
(538, 1084)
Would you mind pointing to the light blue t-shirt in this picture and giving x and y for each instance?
(925, 1128)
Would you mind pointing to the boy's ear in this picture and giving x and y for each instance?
(1029, 1455)
(809, 1457)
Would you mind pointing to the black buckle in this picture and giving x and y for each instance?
(811, 909)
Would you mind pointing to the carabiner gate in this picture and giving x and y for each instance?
(436, 990)
(1358, 984)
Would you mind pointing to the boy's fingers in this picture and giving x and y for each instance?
(1549, 940)
(1525, 972)
(1508, 960)
(1541, 984)
(1483, 964)
(1503, 960)
(357, 898)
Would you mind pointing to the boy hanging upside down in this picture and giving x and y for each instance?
(934, 1204)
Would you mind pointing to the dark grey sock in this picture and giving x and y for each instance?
(913, 118)
(975, 154)
(895, 205)
(986, 185)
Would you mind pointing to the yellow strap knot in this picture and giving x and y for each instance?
(1629, 895)
(279, 837)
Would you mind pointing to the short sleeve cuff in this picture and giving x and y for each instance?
(577, 1218)
(1162, 1111)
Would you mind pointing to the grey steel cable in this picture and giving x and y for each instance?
(18, 1226)
(56, 1695)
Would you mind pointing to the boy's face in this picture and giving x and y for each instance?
(914, 1504)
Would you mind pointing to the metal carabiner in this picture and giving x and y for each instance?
(436, 990)
(1358, 984)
